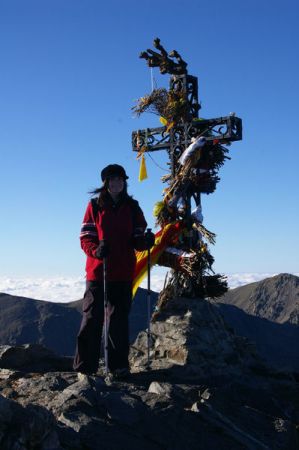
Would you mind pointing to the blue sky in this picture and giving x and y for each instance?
(70, 73)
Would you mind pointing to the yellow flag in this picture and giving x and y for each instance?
(142, 169)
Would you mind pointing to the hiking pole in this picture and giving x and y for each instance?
(148, 231)
(105, 314)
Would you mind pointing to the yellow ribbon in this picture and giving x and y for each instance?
(142, 168)
(167, 124)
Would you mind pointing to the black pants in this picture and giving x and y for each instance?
(90, 334)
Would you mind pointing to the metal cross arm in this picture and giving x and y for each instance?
(223, 129)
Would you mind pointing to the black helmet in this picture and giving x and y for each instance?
(113, 170)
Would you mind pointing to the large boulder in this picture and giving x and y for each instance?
(191, 337)
(32, 358)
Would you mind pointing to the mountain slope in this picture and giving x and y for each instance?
(23, 320)
(55, 325)
(267, 313)
(275, 342)
(275, 298)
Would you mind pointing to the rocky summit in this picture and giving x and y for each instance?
(205, 388)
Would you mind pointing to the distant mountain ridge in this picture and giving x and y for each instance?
(55, 325)
(275, 298)
(24, 320)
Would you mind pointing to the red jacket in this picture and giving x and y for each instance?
(118, 224)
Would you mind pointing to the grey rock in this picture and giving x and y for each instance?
(121, 408)
(32, 357)
(146, 412)
(160, 388)
(74, 420)
(190, 336)
(24, 427)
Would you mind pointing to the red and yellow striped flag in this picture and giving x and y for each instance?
(163, 238)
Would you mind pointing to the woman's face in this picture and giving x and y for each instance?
(116, 185)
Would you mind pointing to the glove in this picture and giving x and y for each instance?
(144, 241)
(149, 239)
(102, 250)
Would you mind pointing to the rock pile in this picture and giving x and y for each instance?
(204, 391)
(190, 337)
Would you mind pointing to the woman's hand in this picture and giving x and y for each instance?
(102, 250)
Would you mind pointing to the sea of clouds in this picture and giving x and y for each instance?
(67, 289)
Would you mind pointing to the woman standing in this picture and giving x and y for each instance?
(113, 228)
